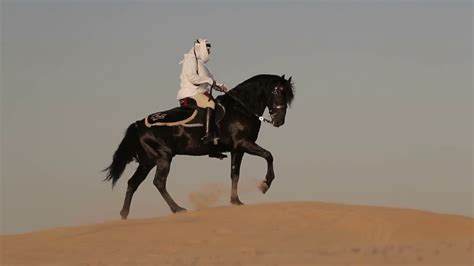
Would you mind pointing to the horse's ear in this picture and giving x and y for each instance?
(289, 80)
(283, 77)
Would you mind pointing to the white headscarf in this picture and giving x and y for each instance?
(199, 50)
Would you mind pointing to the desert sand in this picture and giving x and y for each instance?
(295, 233)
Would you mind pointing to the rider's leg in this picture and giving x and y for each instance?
(210, 136)
(208, 104)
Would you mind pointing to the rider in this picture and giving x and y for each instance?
(196, 81)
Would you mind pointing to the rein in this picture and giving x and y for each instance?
(260, 117)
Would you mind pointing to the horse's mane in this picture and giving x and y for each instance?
(256, 87)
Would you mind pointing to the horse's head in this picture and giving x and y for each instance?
(281, 97)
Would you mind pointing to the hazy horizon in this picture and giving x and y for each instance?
(382, 113)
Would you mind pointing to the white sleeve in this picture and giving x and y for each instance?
(190, 72)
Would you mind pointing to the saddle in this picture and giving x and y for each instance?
(183, 116)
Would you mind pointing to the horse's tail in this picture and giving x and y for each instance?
(125, 153)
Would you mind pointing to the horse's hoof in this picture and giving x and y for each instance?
(124, 215)
(263, 187)
(236, 202)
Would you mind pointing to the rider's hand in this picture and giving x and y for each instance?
(221, 87)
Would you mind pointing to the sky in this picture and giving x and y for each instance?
(382, 114)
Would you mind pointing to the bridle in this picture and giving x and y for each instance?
(275, 107)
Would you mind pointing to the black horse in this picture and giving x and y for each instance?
(238, 131)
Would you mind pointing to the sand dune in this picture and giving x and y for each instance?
(304, 233)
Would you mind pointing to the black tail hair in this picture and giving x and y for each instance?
(125, 153)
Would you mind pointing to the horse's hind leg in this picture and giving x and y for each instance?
(133, 183)
(234, 175)
(162, 169)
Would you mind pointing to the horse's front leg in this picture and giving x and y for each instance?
(254, 149)
(236, 160)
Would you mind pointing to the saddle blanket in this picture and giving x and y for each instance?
(174, 117)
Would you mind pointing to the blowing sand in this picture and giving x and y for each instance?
(305, 233)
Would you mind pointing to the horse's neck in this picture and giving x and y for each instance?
(256, 107)
(248, 102)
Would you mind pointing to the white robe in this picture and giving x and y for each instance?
(195, 77)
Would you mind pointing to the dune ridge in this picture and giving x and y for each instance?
(292, 233)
